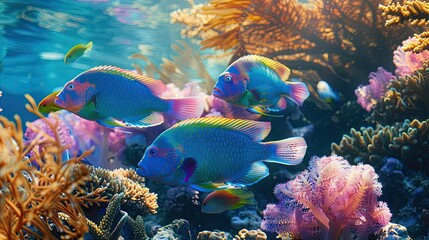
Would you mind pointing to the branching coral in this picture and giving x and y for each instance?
(318, 40)
(137, 199)
(408, 62)
(106, 229)
(408, 142)
(417, 13)
(43, 202)
(406, 98)
(330, 199)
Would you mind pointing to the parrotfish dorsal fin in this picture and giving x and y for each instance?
(257, 130)
(280, 69)
(157, 87)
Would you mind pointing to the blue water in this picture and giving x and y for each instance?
(35, 35)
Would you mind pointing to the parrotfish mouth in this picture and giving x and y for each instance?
(218, 93)
(141, 172)
(59, 102)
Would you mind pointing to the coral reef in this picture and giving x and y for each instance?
(249, 219)
(178, 229)
(406, 98)
(408, 62)
(393, 231)
(335, 40)
(43, 202)
(137, 198)
(134, 229)
(245, 234)
(215, 235)
(368, 95)
(107, 228)
(330, 199)
(179, 200)
(415, 12)
(407, 141)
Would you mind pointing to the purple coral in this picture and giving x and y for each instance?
(329, 199)
(42, 125)
(408, 62)
(368, 95)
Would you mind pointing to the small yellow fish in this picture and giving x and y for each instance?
(77, 52)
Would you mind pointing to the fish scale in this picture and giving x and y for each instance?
(112, 89)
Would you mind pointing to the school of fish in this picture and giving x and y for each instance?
(213, 154)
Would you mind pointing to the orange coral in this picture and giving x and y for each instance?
(338, 39)
(37, 202)
(417, 13)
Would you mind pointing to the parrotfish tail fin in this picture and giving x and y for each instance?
(88, 46)
(187, 107)
(245, 195)
(298, 92)
(288, 151)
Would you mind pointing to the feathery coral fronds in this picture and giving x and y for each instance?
(415, 12)
(40, 202)
(338, 39)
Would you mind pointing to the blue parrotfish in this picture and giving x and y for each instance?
(227, 199)
(213, 153)
(326, 93)
(259, 84)
(115, 97)
(77, 51)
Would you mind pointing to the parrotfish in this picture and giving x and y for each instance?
(326, 93)
(116, 97)
(214, 153)
(227, 199)
(76, 52)
(259, 84)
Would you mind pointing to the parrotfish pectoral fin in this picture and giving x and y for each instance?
(154, 119)
(258, 110)
(279, 106)
(187, 107)
(288, 151)
(257, 172)
(208, 186)
(298, 92)
(111, 123)
(189, 165)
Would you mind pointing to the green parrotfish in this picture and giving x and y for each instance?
(213, 153)
(259, 84)
(115, 97)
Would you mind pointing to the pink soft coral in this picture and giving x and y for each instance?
(408, 62)
(368, 95)
(330, 199)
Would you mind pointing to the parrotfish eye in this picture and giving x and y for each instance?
(153, 152)
(71, 86)
(227, 78)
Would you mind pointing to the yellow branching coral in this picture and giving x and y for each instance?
(337, 38)
(137, 199)
(416, 13)
(40, 201)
